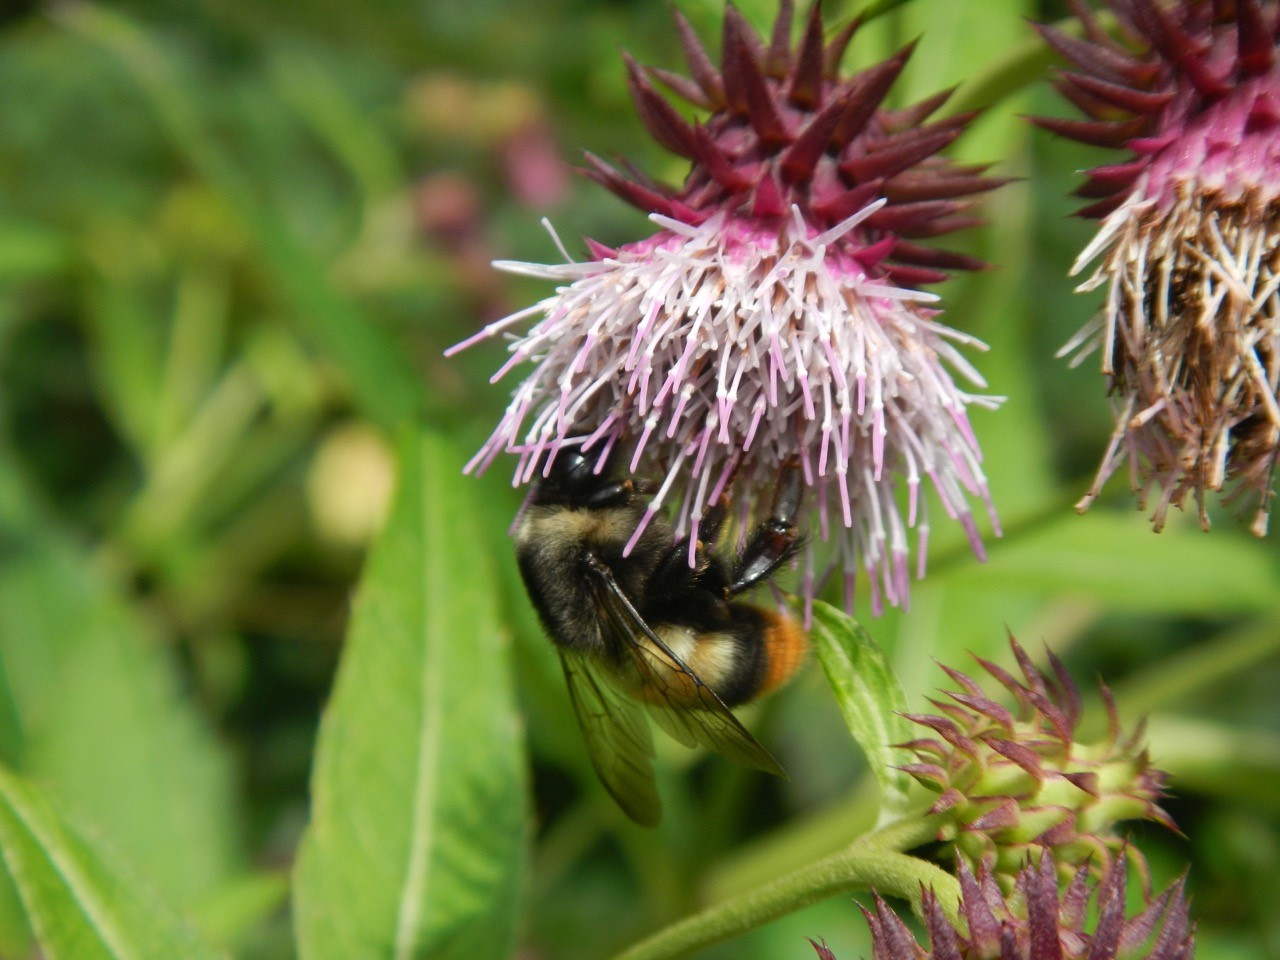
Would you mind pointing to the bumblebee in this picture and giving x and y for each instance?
(644, 631)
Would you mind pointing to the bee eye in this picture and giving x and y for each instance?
(575, 469)
(571, 476)
(577, 474)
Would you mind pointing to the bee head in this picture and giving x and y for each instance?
(574, 480)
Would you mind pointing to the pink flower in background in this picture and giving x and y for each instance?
(536, 174)
(1188, 251)
(775, 315)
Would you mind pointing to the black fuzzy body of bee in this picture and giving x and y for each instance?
(576, 520)
(644, 628)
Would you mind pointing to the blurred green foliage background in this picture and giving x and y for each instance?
(235, 238)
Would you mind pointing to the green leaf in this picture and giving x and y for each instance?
(30, 250)
(351, 135)
(1115, 559)
(1209, 756)
(127, 357)
(92, 706)
(869, 697)
(382, 382)
(82, 905)
(417, 842)
(242, 906)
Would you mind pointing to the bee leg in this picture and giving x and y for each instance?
(712, 523)
(710, 570)
(674, 580)
(776, 540)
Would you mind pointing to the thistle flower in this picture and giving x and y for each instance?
(1010, 781)
(1189, 245)
(775, 312)
(1037, 922)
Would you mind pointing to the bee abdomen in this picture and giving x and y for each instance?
(757, 654)
(786, 646)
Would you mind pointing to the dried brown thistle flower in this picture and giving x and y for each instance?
(1189, 242)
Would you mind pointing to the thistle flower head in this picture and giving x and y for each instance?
(1037, 921)
(774, 315)
(1189, 247)
(1013, 780)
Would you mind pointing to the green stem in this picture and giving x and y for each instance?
(1024, 524)
(868, 863)
(905, 834)
(1022, 66)
(878, 8)
(1175, 678)
(793, 845)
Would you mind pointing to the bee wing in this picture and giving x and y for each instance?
(666, 680)
(617, 736)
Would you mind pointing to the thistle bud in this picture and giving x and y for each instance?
(1013, 780)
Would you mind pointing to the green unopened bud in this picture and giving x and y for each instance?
(1009, 780)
